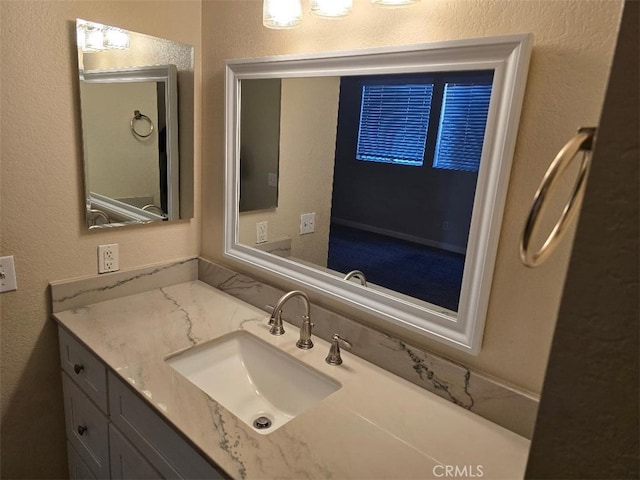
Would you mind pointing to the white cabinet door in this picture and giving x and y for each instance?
(78, 470)
(154, 438)
(87, 428)
(126, 462)
(84, 367)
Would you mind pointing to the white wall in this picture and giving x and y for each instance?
(573, 46)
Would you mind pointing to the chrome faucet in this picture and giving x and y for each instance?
(275, 320)
(356, 274)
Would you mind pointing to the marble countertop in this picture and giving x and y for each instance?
(376, 425)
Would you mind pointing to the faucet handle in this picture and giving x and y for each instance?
(334, 358)
(305, 342)
(276, 323)
(271, 309)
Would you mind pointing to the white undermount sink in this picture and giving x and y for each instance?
(254, 380)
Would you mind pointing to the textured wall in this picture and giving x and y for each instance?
(589, 417)
(573, 48)
(42, 218)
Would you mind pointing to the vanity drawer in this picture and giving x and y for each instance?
(84, 368)
(78, 470)
(87, 428)
(126, 462)
(167, 451)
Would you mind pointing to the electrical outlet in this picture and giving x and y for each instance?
(261, 232)
(108, 258)
(445, 225)
(307, 223)
(8, 281)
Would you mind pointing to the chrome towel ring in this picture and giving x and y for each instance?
(583, 141)
(137, 116)
(98, 214)
(153, 208)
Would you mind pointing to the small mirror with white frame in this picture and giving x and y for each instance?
(498, 65)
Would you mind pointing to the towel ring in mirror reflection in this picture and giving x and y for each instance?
(138, 116)
(153, 208)
(98, 214)
(583, 141)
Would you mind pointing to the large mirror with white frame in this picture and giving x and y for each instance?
(390, 176)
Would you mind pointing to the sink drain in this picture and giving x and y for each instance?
(261, 423)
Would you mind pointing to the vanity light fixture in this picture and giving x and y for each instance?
(331, 8)
(394, 3)
(95, 37)
(116, 39)
(281, 14)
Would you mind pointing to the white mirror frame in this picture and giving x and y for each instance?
(509, 57)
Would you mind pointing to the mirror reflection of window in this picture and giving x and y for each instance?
(400, 169)
(407, 156)
(394, 119)
(463, 119)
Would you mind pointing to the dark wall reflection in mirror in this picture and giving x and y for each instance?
(407, 152)
(136, 95)
(259, 144)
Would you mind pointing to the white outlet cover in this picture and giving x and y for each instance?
(8, 280)
(307, 223)
(108, 258)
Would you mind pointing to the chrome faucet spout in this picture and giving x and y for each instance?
(275, 321)
(356, 274)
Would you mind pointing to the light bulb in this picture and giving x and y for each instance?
(394, 3)
(93, 39)
(116, 38)
(331, 8)
(281, 14)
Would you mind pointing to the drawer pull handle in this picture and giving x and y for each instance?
(81, 430)
(78, 368)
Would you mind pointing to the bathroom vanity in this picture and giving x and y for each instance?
(111, 432)
(129, 413)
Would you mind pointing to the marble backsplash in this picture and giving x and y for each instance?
(499, 403)
(68, 294)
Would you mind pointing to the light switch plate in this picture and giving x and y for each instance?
(261, 232)
(8, 280)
